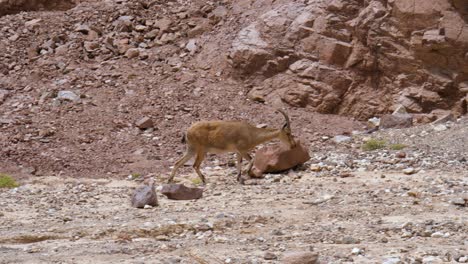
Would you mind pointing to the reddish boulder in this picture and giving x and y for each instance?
(278, 158)
(181, 192)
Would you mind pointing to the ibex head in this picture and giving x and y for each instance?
(286, 134)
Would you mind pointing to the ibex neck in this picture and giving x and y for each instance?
(266, 134)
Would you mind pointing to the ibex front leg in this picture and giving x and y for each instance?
(239, 168)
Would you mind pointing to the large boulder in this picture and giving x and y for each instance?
(181, 192)
(278, 158)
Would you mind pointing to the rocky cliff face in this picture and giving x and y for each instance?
(359, 58)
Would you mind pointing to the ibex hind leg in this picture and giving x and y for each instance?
(196, 165)
(249, 158)
(187, 156)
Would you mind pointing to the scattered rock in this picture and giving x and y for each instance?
(440, 127)
(145, 196)
(67, 96)
(132, 53)
(357, 251)
(409, 171)
(300, 257)
(269, 256)
(460, 201)
(278, 158)
(374, 122)
(400, 110)
(181, 192)
(144, 123)
(3, 95)
(191, 46)
(400, 154)
(341, 139)
(396, 121)
(444, 119)
(392, 260)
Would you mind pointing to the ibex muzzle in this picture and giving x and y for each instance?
(229, 136)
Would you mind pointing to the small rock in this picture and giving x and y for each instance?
(459, 201)
(31, 24)
(409, 171)
(315, 167)
(67, 96)
(463, 259)
(400, 154)
(163, 24)
(3, 95)
(181, 192)
(144, 123)
(300, 257)
(356, 251)
(444, 119)
(431, 259)
(91, 46)
(392, 260)
(440, 127)
(437, 234)
(191, 46)
(396, 121)
(132, 53)
(349, 240)
(140, 28)
(374, 122)
(14, 37)
(82, 29)
(269, 256)
(400, 109)
(145, 196)
(341, 139)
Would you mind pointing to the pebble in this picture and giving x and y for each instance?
(341, 139)
(409, 171)
(67, 96)
(440, 128)
(437, 234)
(392, 260)
(357, 251)
(458, 201)
(269, 256)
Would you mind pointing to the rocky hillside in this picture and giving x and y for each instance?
(108, 87)
(359, 58)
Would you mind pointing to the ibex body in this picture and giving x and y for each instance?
(228, 136)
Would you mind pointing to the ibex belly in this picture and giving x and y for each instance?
(215, 150)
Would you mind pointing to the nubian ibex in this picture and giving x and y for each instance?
(228, 136)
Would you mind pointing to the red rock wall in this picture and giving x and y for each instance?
(359, 58)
